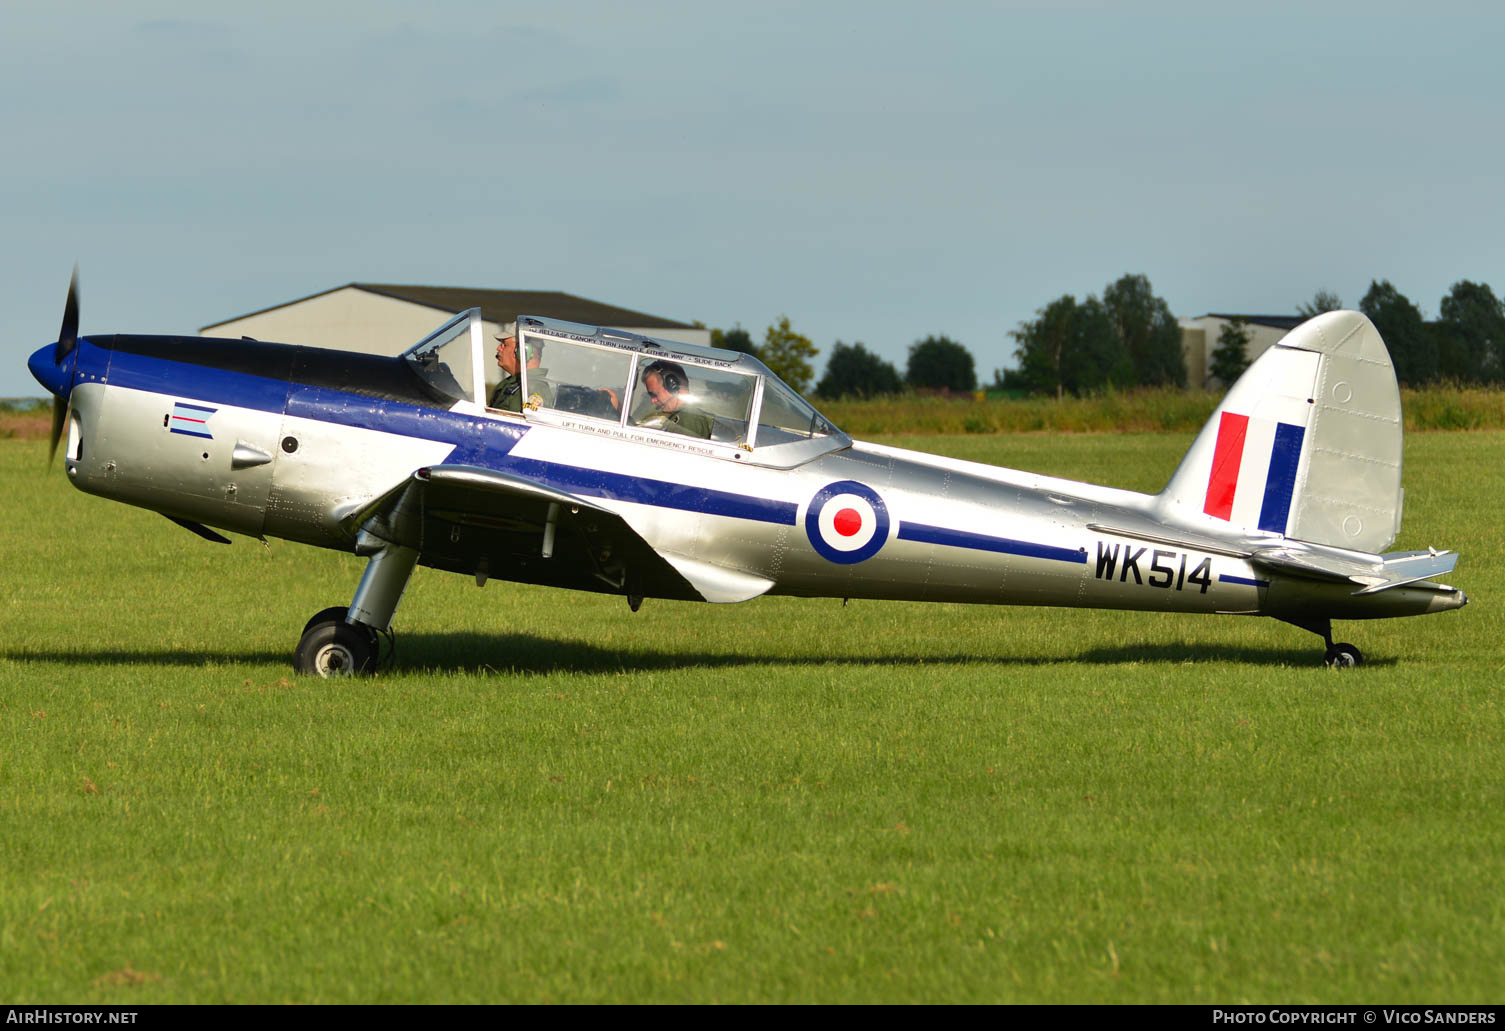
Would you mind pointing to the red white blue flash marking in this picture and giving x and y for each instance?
(1254, 463)
(191, 420)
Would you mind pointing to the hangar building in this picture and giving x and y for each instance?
(1199, 339)
(383, 318)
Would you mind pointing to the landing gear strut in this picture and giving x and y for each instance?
(1338, 656)
(343, 642)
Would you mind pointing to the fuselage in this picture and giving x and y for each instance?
(281, 441)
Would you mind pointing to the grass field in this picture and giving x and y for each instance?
(1144, 409)
(553, 799)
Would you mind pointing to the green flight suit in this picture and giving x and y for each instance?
(690, 421)
(508, 394)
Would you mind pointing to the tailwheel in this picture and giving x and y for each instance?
(1338, 656)
(1343, 656)
(331, 647)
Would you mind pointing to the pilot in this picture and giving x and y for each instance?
(665, 383)
(508, 394)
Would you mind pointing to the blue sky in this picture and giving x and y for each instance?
(876, 171)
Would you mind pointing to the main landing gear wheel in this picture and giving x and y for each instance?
(333, 614)
(331, 647)
(1343, 656)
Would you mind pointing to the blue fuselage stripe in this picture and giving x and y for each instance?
(1228, 578)
(923, 534)
(1281, 481)
(660, 493)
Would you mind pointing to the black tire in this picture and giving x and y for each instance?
(336, 649)
(1343, 656)
(333, 614)
(337, 614)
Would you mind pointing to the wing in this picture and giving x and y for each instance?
(485, 523)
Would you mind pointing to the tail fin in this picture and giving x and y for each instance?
(1307, 444)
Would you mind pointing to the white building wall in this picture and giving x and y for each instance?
(1261, 339)
(344, 320)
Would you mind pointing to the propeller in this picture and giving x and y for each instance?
(67, 344)
(67, 337)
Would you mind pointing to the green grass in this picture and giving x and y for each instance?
(553, 799)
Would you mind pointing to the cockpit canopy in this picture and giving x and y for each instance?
(656, 391)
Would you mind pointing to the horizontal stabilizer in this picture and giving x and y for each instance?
(1312, 565)
(1408, 567)
(1372, 574)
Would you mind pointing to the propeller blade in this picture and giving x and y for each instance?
(67, 337)
(60, 413)
(67, 343)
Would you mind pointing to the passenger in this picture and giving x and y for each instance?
(508, 394)
(665, 382)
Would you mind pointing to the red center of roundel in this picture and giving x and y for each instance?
(847, 522)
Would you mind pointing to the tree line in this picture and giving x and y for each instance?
(1464, 344)
(1129, 338)
(935, 363)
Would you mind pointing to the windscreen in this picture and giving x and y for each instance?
(443, 360)
(786, 417)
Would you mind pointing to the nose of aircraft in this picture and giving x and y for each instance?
(48, 372)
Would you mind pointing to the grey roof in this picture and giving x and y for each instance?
(499, 305)
(1286, 322)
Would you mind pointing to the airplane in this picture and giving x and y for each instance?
(602, 479)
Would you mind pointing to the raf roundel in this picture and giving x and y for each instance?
(847, 522)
